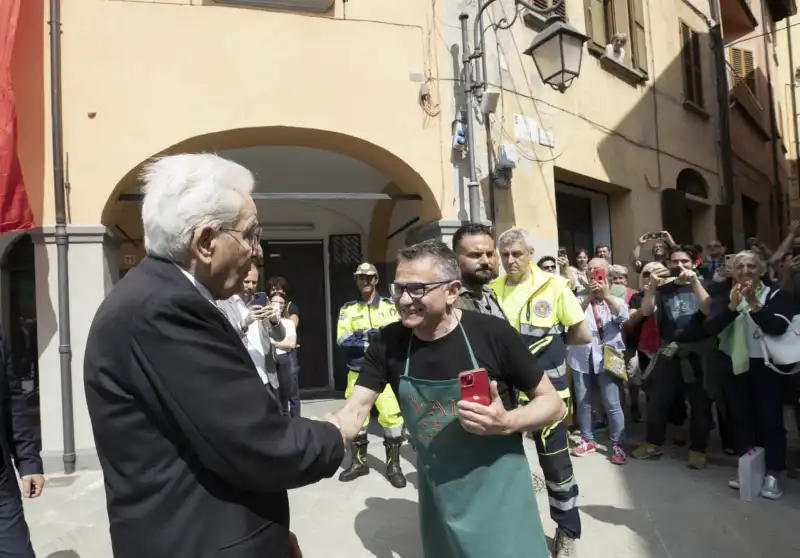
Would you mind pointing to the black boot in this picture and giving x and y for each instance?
(358, 466)
(393, 471)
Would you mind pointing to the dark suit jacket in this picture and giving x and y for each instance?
(197, 457)
(17, 443)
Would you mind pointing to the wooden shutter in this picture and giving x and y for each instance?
(697, 68)
(686, 62)
(561, 11)
(750, 72)
(744, 68)
(638, 36)
(596, 22)
(690, 62)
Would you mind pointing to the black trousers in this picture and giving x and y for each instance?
(755, 401)
(677, 411)
(288, 378)
(15, 539)
(667, 385)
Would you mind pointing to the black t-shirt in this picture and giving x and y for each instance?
(680, 312)
(632, 340)
(497, 346)
(292, 309)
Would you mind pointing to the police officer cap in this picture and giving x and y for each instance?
(366, 269)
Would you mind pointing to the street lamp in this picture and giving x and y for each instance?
(556, 51)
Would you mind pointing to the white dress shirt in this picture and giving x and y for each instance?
(252, 339)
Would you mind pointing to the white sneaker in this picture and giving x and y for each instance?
(771, 489)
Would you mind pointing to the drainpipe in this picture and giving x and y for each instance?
(794, 101)
(483, 79)
(62, 239)
(724, 117)
(473, 185)
(776, 184)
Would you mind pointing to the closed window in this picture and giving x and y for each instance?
(606, 18)
(744, 69)
(692, 70)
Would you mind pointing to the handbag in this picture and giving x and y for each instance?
(613, 359)
(781, 350)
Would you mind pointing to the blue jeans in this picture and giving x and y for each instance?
(610, 398)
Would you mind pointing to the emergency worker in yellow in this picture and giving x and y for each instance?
(359, 320)
(547, 315)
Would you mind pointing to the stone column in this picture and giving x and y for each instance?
(93, 269)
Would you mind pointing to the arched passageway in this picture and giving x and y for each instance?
(326, 202)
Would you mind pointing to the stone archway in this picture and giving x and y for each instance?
(292, 166)
(405, 178)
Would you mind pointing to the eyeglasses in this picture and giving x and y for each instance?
(415, 290)
(253, 238)
(646, 274)
(548, 268)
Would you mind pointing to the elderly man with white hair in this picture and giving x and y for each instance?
(197, 456)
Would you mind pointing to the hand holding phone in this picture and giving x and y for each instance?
(475, 386)
(562, 252)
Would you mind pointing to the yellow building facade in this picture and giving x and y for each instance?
(347, 113)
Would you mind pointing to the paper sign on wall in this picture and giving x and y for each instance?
(525, 128)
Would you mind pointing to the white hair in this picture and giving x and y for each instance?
(514, 235)
(184, 192)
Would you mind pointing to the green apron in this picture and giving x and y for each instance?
(476, 497)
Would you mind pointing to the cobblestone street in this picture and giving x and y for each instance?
(645, 509)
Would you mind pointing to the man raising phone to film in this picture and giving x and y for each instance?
(475, 494)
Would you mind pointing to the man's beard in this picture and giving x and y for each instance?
(472, 278)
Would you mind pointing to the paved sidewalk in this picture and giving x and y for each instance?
(648, 509)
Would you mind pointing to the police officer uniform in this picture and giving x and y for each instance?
(541, 308)
(358, 321)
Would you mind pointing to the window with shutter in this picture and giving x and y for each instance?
(690, 62)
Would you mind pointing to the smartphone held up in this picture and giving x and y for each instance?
(475, 386)
(260, 299)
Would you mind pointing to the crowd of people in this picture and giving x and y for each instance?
(687, 331)
(191, 377)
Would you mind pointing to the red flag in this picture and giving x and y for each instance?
(15, 210)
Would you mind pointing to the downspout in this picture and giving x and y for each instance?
(776, 184)
(723, 114)
(794, 101)
(62, 239)
(483, 79)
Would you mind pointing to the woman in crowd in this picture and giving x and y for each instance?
(289, 388)
(578, 273)
(605, 315)
(754, 391)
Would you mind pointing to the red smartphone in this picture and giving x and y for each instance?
(475, 386)
(599, 275)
